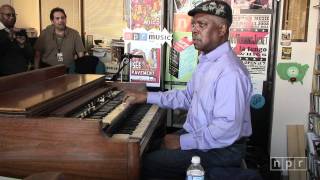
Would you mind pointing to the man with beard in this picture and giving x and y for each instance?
(58, 44)
(15, 51)
(217, 99)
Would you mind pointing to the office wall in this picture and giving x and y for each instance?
(28, 13)
(71, 8)
(291, 101)
(5, 2)
(104, 19)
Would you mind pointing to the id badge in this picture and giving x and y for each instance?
(60, 57)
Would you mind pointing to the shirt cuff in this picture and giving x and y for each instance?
(153, 97)
(187, 142)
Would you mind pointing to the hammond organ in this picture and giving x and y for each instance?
(75, 124)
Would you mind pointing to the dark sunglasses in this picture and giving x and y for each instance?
(10, 14)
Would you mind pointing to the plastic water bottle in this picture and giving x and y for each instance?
(195, 170)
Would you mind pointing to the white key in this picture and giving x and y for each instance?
(145, 122)
(115, 113)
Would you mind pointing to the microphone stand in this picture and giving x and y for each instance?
(125, 61)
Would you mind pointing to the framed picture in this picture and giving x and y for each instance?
(89, 42)
(295, 18)
(286, 53)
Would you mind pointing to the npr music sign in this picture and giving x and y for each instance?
(288, 163)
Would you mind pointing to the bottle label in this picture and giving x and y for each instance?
(195, 178)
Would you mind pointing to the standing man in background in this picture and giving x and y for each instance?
(58, 44)
(15, 51)
(217, 99)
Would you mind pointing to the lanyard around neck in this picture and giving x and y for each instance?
(59, 43)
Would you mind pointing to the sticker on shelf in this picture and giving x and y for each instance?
(257, 101)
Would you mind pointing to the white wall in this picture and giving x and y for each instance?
(291, 101)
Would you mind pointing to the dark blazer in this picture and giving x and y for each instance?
(13, 59)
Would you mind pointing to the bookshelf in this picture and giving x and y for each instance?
(313, 134)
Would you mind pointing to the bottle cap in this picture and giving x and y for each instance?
(195, 160)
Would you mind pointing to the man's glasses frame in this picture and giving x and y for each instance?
(10, 14)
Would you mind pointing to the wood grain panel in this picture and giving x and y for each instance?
(72, 146)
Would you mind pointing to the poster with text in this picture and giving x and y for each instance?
(249, 38)
(146, 69)
(182, 59)
(182, 56)
(251, 4)
(184, 6)
(145, 14)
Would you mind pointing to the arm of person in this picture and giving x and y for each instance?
(80, 54)
(38, 47)
(79, 48)
(28, 53)
(171, 141)
(174, 99)
(170, 99)
(37, 57)
(3, 43)
(226, 116)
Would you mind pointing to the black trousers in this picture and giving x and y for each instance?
(173, 164)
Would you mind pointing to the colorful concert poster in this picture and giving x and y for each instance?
(182, 58)
(181, 22)
(249, 38)
(146, 14)
(146, 69)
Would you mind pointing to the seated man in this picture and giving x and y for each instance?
(15, 51)
(58, 44)
(217, 99)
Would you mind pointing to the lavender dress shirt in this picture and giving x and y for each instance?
(217, 99)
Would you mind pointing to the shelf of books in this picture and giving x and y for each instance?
(313, 148)
(313, 134)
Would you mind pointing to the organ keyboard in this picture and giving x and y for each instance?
(74, 124)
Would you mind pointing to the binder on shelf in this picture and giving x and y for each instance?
(317, 64)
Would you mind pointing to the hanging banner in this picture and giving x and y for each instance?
(155, 36)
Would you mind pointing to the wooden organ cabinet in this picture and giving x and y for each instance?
(76, 124)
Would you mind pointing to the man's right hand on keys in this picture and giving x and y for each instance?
(135, 97)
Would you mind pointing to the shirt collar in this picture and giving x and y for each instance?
(216, 53)
(4, 27)
(51, 30)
